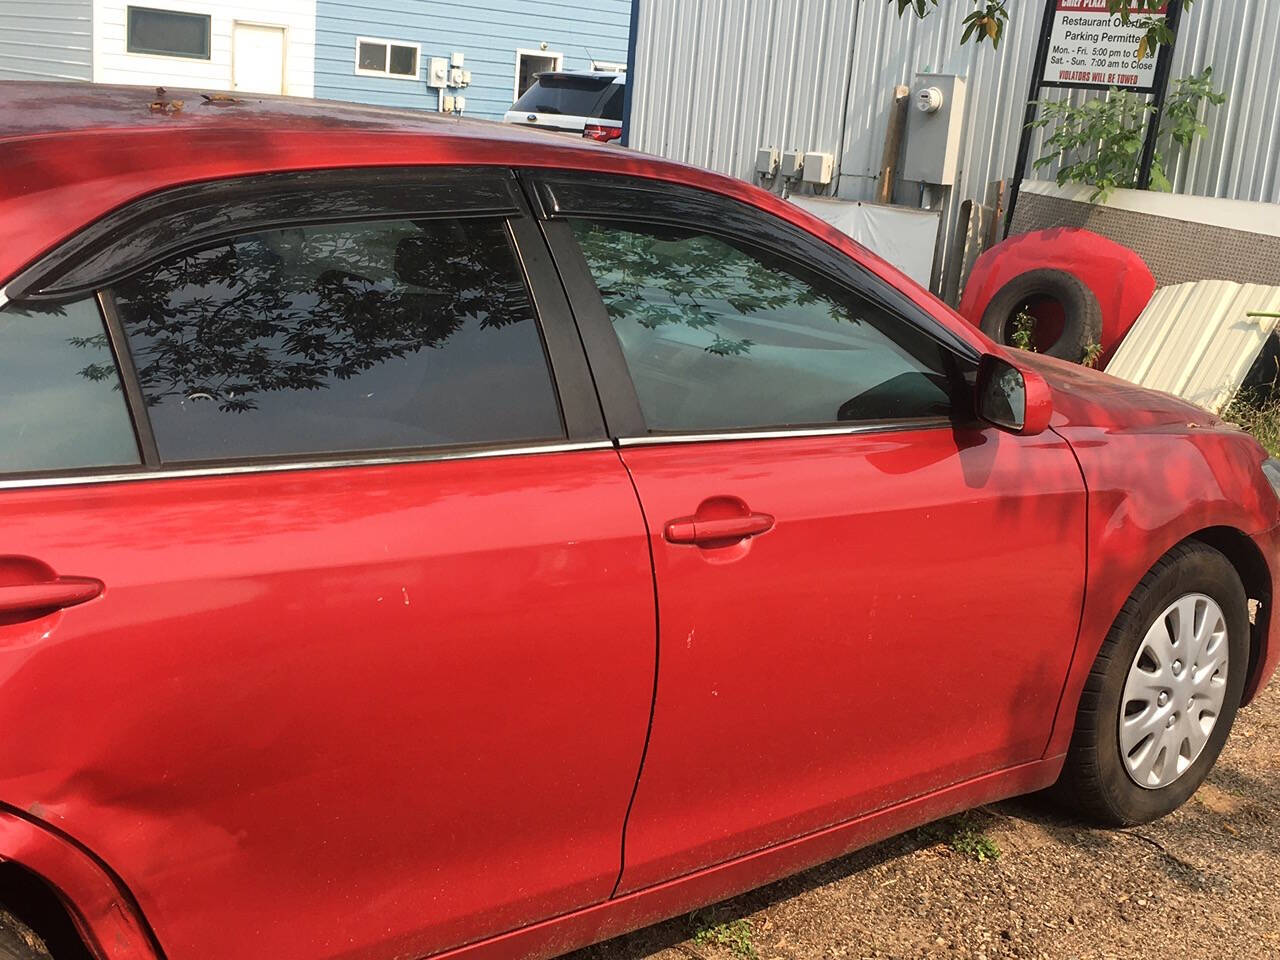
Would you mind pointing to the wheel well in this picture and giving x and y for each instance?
(1256, 577)
(38, 905)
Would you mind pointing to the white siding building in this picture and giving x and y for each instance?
(264, 47)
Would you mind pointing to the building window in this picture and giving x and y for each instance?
(530, 63)
(168, 33)
(386, 58)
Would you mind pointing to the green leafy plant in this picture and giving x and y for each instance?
(1182, 123)
(1022, 335)
(1256, 407)
(1257, 411)
(1098, 142)
(1091, 354)
(736, 936)
(972, 842)
(987, 22)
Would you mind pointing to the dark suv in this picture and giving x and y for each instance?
(588, 102)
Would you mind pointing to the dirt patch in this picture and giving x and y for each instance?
(1201, 883)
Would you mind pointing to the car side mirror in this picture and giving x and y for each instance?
(1012, 398)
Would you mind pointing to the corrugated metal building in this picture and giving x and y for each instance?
(502, 42)
(715, 80)
(51, 40)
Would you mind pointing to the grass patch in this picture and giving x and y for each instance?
(968, 840)
(1257, 411)
(736, 936)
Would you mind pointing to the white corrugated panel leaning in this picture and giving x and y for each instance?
(1198, 340)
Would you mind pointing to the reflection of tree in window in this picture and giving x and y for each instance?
(721, 334)
(296, 309)
(393, 334)
(664, 275)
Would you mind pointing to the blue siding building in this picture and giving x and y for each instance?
(381, 51)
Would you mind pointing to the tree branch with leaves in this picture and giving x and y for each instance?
(987, 21)
(1097, 142)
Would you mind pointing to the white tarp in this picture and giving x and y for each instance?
(905, 236)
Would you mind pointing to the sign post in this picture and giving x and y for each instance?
(1083, 46)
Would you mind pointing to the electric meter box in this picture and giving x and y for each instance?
(935, 126)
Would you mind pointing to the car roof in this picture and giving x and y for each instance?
(33, 108)
(70, 153)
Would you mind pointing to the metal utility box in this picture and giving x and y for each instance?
(818, 168)
(935, 123)
(767, 161)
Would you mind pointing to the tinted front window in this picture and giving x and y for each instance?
(570, 96)
(61, 405)
(721, 337)
(344, 337)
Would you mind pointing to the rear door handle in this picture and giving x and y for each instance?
(694, 530)
(48, 595)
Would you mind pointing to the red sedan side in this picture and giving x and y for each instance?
(434, 538)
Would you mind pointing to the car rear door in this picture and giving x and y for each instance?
(864, 595)
(326, 610)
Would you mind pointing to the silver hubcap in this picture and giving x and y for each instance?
(1174, 692)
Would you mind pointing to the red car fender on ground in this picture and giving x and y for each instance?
(1117, 276)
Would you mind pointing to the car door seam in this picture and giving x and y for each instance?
(657, 655)
(1084, 597)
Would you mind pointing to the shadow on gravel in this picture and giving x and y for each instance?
(669, 933)
(1164, 841)
(1060, 888)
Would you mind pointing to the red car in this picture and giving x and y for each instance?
(436, 538)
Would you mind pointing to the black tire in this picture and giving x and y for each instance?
(1094, 781)
(1082, 316)
(17, 941)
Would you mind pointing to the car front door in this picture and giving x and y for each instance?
(864, 595)
(349, 652)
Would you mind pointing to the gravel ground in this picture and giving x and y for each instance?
(1202, 883)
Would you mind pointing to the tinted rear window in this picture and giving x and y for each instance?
(340, 338)
(570, 96)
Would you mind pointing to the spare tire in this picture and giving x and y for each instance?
(1082, 315)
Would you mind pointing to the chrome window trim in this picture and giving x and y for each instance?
(173, 473)
(3, 297)
(897, 426)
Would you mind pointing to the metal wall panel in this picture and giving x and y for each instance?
(716, 79)
(50, 40)
(720, 78)
(1198, 340)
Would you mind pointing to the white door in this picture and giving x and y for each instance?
(257, 58)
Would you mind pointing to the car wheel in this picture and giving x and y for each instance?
(1159, 703)
(17, 941)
